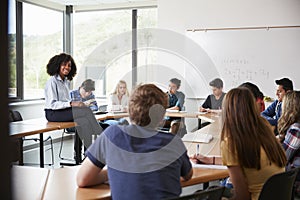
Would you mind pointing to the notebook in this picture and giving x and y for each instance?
(197, 137)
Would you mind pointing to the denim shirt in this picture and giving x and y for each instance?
(272, 113)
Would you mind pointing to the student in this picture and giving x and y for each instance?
(176, 101)
(248, 146)
(118, 101)
(85, 94)
(258, 95)
(289, 132)
(58, 105)
(119, 98)
(273, 112)
(142, 163)
(214, 100)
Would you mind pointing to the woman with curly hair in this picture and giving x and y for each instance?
(289, 131)
(58, 104)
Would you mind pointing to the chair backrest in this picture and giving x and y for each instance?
(209, 194)
(14, 116)
(279, 186)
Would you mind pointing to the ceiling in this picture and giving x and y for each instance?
(84, 5)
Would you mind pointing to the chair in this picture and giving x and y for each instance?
(279, 186)
(15, 116)
(214, 193)
(78, 144)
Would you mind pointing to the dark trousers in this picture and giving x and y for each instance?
(83, 116)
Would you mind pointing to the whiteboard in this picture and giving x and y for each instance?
(257, 55)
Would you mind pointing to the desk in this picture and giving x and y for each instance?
(61, 183)
(213, 147)
(39, 126)
(28, 182)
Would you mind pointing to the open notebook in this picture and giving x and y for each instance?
(197, 137)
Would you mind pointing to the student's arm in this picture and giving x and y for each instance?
(180, 96)
(210, 160)
(89, 174)
(206, 106)
(269, 113)
(186, 168)
(239, 183)
(291, 143)
(188, 176)
(92, 102)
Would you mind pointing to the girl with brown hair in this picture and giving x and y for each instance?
(248, 146)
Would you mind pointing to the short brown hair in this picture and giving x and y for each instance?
(88, 85)
(218, 83)
(147, 105)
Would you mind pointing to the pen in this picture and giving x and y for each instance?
(197, 150)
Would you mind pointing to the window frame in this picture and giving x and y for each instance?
(67, 43)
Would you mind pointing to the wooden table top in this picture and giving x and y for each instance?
(28, 182)
(62, 183)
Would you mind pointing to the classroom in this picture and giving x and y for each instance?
(140, 42)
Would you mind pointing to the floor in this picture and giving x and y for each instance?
(31, 157)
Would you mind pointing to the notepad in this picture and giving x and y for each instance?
(169, 110)
(201, 113)
(197, 137)
(208, 166)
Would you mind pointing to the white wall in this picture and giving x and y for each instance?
(179, 16)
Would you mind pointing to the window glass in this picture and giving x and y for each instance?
(42, 38)
(147, 56)
(12, 91)
(97, 53)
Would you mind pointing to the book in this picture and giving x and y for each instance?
(197, 137)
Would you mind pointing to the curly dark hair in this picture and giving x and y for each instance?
(56, 61)
(147, 105)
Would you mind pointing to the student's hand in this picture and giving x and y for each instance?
(77, 104)
(201, 159)
(201, 109)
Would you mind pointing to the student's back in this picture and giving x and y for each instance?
(139, 166)
(249, 148)
(142, 162)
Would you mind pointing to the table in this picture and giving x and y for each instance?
(39, 126)
(61, 183)
(213, 147)
(28, 182)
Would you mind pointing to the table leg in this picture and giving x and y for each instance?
(41, 150)
(205, 185)
(21, 161)
(77, 149)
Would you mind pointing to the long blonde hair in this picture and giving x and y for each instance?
(247, 131)
(290, 111)
(116, 91)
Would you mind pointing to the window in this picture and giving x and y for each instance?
(12, 92)
(94, 34)
(146, 56)
(99, 38)
(42, 38)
